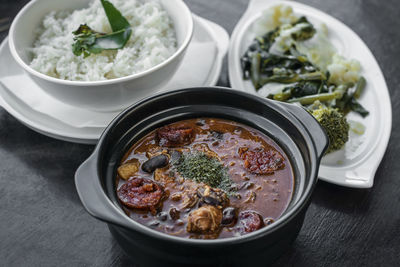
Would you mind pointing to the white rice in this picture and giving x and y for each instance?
(152, 42)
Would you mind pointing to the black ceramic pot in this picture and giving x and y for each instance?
(296, 131)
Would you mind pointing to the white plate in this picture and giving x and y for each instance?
(356, 164)
(24, 100)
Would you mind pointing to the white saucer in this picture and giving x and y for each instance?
(353, 166)
(24, 100)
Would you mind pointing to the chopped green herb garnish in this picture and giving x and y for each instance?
(88, 41)
(204, 169)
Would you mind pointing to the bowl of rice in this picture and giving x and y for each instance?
(41, 39)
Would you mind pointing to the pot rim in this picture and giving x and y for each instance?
(286, 218)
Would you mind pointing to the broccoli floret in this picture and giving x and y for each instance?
(335, 125)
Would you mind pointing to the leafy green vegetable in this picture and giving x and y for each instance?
(88, 41)
(357, 107)
(349, 100)
(310, 99)
(359, 87)
(202, 168)
(306, 83)
(307, 30)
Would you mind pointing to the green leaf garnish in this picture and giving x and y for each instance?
(88, 41)
(117, 21)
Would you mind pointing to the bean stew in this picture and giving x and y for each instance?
(205, 178)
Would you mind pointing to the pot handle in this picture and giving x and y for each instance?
(93, 197)
(317, 133)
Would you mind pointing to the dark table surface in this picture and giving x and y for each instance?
(42, 221)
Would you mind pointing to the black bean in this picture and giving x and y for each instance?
(214, 197)
(152, 164)
(216, 143)
(217, 135)
(229, 216)
(211, 201)
(200, 122)
(174, 214)
(162, 216)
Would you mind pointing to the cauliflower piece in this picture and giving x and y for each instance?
(274, 17)
(285, 39)
(344, 71)
(319, 50)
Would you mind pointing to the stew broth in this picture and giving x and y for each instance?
(155, 183)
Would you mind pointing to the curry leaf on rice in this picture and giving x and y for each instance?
(88, 41)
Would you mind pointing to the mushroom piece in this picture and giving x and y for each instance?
(206, 219)
(206, 150)
(190, 199)
(128, 169)
(212, 196)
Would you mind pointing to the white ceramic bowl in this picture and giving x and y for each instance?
(108, 95)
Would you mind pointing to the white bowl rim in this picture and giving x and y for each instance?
(27, 68)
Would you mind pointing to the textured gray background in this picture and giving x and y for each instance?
(42, 222)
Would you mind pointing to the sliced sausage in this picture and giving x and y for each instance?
(174, 136)
(250, 221)
(262, 161)
(140, 193)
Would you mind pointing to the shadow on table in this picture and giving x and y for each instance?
(50, 163)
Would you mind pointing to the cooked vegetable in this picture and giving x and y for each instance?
(349, 100)
(310, 99)
(88, 41)
(290, 66)
(312, 74)
(274, 57)
(343, 71)
(128, 169)
(335, 125)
